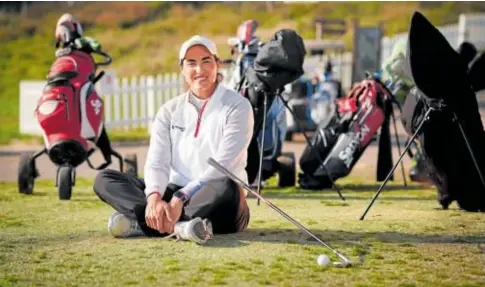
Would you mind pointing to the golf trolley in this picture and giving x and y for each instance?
(262, 80)
(245, 48)
(71, 113)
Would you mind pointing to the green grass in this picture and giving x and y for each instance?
(404, 242)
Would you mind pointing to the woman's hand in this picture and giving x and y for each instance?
(176, 206)
(156, 213)
(175, 211)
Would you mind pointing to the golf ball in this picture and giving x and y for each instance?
(323, 260)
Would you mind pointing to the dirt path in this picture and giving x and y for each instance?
(9, 158)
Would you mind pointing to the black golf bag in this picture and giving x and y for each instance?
(279, 62)
(340, 140)
(442, 110)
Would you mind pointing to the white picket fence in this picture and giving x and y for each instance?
(133, 102)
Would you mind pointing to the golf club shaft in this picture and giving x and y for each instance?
(472, 154)
(261, 153)
(398, 145)
(395, 166)
(229, 174)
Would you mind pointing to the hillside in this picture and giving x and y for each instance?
(143, 37)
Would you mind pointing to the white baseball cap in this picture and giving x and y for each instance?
(197, 40)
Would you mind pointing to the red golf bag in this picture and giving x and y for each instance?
(70, 113)
(340, 140)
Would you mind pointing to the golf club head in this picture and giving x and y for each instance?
(342, 264)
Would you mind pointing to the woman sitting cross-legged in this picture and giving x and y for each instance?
(181, 194)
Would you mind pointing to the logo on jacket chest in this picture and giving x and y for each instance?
(178, 127)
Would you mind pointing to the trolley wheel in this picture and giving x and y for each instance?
(65, 181)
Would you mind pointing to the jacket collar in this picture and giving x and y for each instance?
(213, 100)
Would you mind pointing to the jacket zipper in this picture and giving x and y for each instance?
(199, 119)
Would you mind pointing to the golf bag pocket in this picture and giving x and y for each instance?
(58, 115)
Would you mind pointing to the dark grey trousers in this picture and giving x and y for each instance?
(220, 200)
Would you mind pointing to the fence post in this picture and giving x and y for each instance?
(180, 84)
(173, 84)
(134, 102)
(159, 90)
(108, 118)
(462, 30)
(143, 101)
(150, 86)
(116, 102)
(125, 86)
(166, 87)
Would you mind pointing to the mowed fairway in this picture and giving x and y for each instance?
(404, 241)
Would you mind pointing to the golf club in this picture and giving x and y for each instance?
(345, 262)
(261, 152)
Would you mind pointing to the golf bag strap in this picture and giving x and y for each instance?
(252, 165)
(104, 145)
(384, 157)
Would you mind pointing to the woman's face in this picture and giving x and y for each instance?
(199, 69)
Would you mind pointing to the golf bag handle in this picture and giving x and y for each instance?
(98, 77)
(107, 59)
(393, 98)
(100, 167)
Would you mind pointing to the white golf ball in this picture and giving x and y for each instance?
(323, 260)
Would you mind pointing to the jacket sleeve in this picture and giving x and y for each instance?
(159, 156)
(232, 151)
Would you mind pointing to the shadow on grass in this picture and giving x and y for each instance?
(326, 196)
(357, 187)
(279, 236)
(375, 187)
(46, 240)
(273, 235)
(87, 199)
(34, 194)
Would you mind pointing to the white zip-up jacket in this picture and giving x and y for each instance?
(182, 139)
